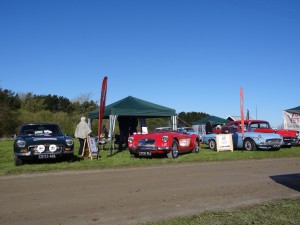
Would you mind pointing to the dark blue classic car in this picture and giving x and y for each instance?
(40, 142)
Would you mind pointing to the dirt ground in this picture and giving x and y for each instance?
(132, 195)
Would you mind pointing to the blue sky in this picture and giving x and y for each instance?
(190, 55)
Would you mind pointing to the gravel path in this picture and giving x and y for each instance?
(132, 195)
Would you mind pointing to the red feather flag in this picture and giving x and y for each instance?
(102, 105)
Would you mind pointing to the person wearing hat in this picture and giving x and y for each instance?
(82, 132)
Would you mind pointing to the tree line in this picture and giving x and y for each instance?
(21, 108)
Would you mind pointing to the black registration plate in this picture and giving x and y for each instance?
(47, 156)
(144, 153)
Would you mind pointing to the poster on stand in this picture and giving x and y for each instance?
(224, 142)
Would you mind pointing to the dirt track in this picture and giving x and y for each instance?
(129, 196)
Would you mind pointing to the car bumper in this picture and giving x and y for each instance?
(146, 151)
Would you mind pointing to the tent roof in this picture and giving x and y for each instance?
(212, 119)
(294, 110)
(131, 106)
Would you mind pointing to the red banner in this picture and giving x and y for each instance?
(242, 109)
(102, 105)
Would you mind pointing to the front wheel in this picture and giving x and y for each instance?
(18, 161)
(249, 145)
(175, 152)
(196, 148)
(212, 144)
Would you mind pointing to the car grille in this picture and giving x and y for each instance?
(146, 144)
(273, 141)
(289, 139)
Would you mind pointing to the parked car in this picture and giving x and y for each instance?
(252, 139)
(42, 141)
(189, 130)
(159, 129)
(170, 143)
(262, 126)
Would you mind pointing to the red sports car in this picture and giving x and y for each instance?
(170, 143)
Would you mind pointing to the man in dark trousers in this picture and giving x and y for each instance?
(133, 123)
(208, 127)
(124, 131)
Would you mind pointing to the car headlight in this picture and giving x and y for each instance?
(165, 138)
(69, 142)
(21, 143)
(259, 137)
(130, 139)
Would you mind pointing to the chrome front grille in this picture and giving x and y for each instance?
(273, 141)
(146, 144)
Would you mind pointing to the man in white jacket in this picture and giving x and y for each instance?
(82, 131)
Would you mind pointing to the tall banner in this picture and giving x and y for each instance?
(242, 109)
(102, 105)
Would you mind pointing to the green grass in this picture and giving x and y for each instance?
(122, 159)
(279, 212)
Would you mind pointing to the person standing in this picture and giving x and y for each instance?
(133, 123)
(81, 133)
(124, 131)
(208, 127)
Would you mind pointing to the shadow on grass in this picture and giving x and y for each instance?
(289, 180)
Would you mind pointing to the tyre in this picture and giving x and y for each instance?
(196, 149)
(249, 145)
(212, 144)
(175, 152)
(18, 161)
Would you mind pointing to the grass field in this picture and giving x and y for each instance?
(285, 211)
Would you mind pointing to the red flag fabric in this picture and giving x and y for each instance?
(102, 105)
(242, 109)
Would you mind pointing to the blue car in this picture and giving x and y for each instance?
(251, 141)
(189, 130)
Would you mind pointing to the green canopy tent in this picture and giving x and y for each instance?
(213, 119)
(131, 106)
(291, 118)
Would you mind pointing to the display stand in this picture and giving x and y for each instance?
(224, 142)
(90, 149)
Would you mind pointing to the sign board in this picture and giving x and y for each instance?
(224, 142)
(144, 130)
(93, 147)
(90, 149)
(291, 121)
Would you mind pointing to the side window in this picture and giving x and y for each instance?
(254, 125)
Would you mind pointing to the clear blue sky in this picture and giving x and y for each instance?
(190, 55)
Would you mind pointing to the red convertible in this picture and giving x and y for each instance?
(170, 143)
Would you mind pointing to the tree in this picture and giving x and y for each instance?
(82, 104)
(9, 105)
(187, 119)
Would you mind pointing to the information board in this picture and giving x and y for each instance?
(224, 142)
(93, 147)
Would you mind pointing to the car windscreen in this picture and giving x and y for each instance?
(40, 130)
